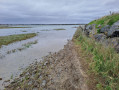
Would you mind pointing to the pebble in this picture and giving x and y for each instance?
(35, 88)
(45, 63)
(0, 78)
(43, 82)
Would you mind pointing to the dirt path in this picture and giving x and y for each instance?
(58, 71)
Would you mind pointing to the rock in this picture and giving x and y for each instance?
(35, 88)
(113, 32)
(0, 78)
(45, 63)
(89, 27)
(43, 82)
(105, 29)
(100, 37)
(114, 42)
(116, 23)
(87, 32)
(30, 82)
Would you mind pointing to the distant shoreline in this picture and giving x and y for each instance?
(42, 24)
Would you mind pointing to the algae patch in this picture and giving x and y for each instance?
(59, 29)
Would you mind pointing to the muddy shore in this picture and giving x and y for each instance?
(57, 71)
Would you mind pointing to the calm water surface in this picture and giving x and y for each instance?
(49, 40)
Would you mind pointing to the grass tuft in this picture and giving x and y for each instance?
(60, 29)
(5, 40)
(104, 63)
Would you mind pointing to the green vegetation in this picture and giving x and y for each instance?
(27, 45)
(106, 20)
(24, 31)
(60, 29)
(103, 61)
(5, 40)
(45, 30)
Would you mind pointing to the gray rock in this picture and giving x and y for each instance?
(114, 42)
(116, 23)
(45, 63)
(113, 32)
(35, 88)
(89, 27)
(105, 29)
(30, 82)
(43, 82)
(100, 37)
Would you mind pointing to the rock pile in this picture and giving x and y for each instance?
(106, 34)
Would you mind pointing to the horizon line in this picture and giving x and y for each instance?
(42, 24)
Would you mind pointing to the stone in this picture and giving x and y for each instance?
(100, 37)
(43, 82)
(116, 23)
(89, 27)
(113, 32)
(114, 42)
(0, 78)
(35, 88)
(105, 29)
(45, 63)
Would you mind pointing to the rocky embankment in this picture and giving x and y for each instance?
(108, 35)
(57, 71)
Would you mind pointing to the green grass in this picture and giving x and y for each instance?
(5, 40)
(27, 45)
(104, 63)
(106, 20)
(45, 30)
(24, 31)
(60, 29)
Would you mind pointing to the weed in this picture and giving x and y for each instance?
(105, 61)
(11, 76)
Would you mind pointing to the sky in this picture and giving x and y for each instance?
(54, 11)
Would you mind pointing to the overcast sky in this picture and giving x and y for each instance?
(54, 11)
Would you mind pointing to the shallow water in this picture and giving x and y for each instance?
(49, 40)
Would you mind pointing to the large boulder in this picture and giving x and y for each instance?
(89, 27)
(99, 37)
(113, 32)
(116, 23)
(105, 29)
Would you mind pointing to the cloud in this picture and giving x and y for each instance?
(54, 11)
